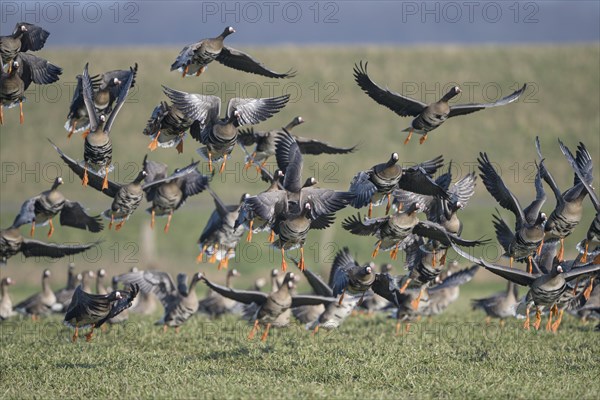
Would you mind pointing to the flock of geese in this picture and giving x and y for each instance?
(290, 207)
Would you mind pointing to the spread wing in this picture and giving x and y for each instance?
(37, 70)
(202, 108)
(290, 162)
(242, 296)
(364, 227)
(94, 180)
(363, 189)
(35, 248)
(123, 90)
(243, 62)
(456, 279)
(73, 214)
(463, 109)
(401, 105)
(253, 111)
(27, 213)
(34, 38)
(159, 283)
(316, 147)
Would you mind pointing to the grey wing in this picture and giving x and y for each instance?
(123, 91)
(496, 187)
(456, 279)
(325, 201)
(89, 305)
(290, 161)
(73, 214)
(316, 147)
(268, 204)
(27, 213)
(546, 175)
(401, 105)
(241, 61)
(532, 211)
(463, 189)
(247, 137)
(463, 109)
(159, 283)
(503, 232)
(253, 111)
(122, 304)
(122, 75)
(194, 183)
(417, 179)
(310, 300)
(88, 98)
(202, 108)
(242, 296)
(583, 178)
(318, 285)
(363, 227)
(154, 123)
(338, 273)
(434, 231)
(185, 56)
(406, 198)
(34, 39)
(94, 180)
(341, 279)
(35, 248)
(363, 189)
(37, 70)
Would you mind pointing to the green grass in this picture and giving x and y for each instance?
(453, 356)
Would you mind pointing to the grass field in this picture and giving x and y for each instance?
(454, 356)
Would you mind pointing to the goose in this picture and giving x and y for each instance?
(219, 135)
(501, 305)
(64, 295)
(167, 126)
(6, 305)
(194, 58)
(427, 116)
(39, 210)
(25, 37)
(25, 69)
(39, 304)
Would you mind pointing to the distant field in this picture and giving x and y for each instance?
(562, 101)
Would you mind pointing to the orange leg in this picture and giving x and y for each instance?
(271, 236)
(539, 249)
(283, 263)
(316, 330)
(105, 181)
(32, 231)
(1, 114)
(210, 169)
(433, 260)
(538, 319)
(112, 220)
(576, 285)
(120, 225)
(374, 254)
(88, 337)
(179, 147)
(398, 327)
(223, 165)
(85, 179)
(265, 334)
(224, 263)
(510, 262)
(403, 288)
(370, 209)
(550, 314)
(389, 203)
(443, 259)
(168, 222)
(76, 334)
(253, 331)
(201, 70)
(342, 297)
(585, 252)
(408, 137)
(249, 237)
(301, 265)
(51, 230)
(407, 327)
(21, 116)
(488, 320)
(558, 321)
(588, 290)
(185, 71)
(526, 324)
(415, 302)
(201, 255)
(561, 251)
(72, 130)
(152, 216)
(250, 161)
(394, 253)
(529, 265)
(85, 133)
(423, 139)
(154, 143)
(164, 329)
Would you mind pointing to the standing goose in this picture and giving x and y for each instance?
(6, 307)
(220, 135)
(528, 236)
(39, 210)
(167, 126)
(95, 309)
(126, 197)
(502, 305)
(26, 68)
(12, 242)
(270, 306)
(546, 285)
(381, 180)
(64, 295)
(216, 305)
(170, 193)
(569, 205)
(194, 58)
(179, 302)
(427, 117)
(87, 278)
(221, 236)
(25, 37)
(97, 151)
(265, 143)
(39, 304)
(593, 233)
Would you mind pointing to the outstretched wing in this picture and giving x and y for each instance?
(363, 227)
(253, 111)
(463, 109)
(73, 214)
(243, 62)
(35, 248)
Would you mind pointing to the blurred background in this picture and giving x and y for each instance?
(416, 48)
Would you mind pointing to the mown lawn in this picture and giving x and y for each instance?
(452, 356)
